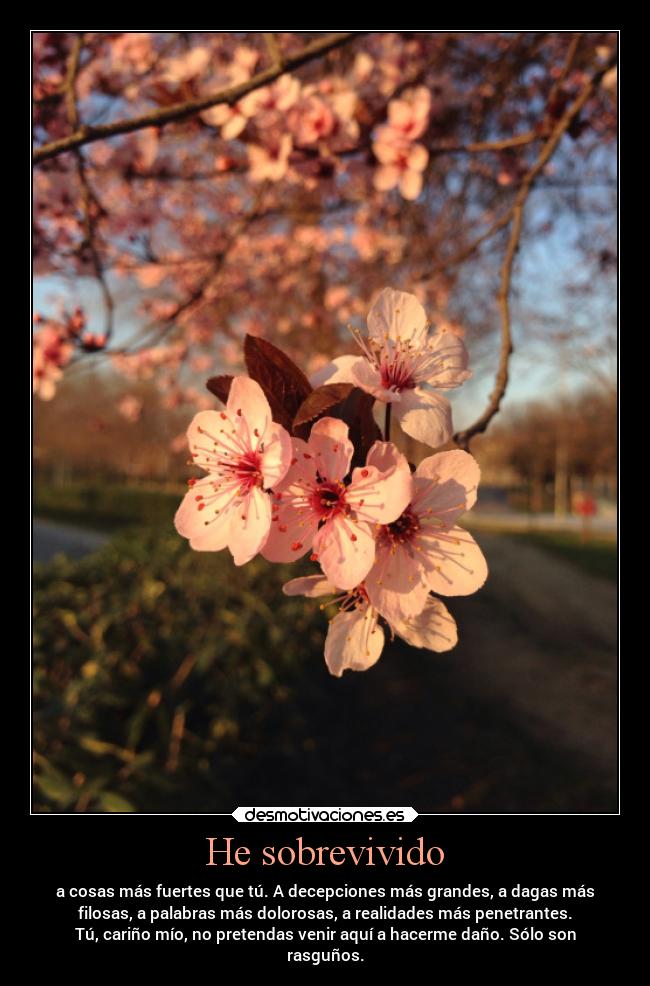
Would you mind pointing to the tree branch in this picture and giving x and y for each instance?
(214, 275)
(160, 117)
(88, 197)
(273, 49)
(463, 438)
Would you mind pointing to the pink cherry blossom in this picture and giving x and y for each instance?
(231, 119)
(315, 507)
(245, 60)
(245, 455)
(52, 350)
(268, 102)
(311, 120)
(355, 638)
(401, 165)
(423, 550)
(142, 365)
(279, 96)
(187, 66)
(400, 356)
(270, 163)
(408, 116)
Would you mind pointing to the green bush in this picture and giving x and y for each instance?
(156, 670)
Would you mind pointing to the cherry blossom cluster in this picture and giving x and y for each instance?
(400, 151)
(402, 159)
(54, 343)
(293, 122)
(296, 467)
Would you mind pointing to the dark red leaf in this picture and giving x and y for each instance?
(318, 404)
(284, 384)
(354, 406)
(220, 386)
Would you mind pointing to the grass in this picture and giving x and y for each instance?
(108, 508)
(597, 556)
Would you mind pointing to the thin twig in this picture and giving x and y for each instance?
(273, 49)
(88, 197)
(463, 438)
(180, 111)
(482, 146)
(196, 296)
(389, 408)
(471, 248)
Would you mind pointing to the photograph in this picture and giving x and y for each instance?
(325, 421)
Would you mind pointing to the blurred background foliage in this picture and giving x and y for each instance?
(155, 666)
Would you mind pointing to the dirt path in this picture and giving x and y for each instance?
(541, 637)
(520, 717)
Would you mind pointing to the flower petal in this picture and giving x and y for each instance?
(452, 370)
(293, 525)
(277, 455)
(246, 400)
(395, 585)
(205, 516)
(311, 586)
(368, 378)
(290, 537)
(331, 448)
(433, 628)
(345, 550)
(338, 371)
(425, 416)
(397, 314)
(204, 436)
(386, 176)
(250, 526)
(380, 497)
(354, 642)
(418, 157)
(453, 562)
(386, 456)
(454, 477)
(410, 184)
(234, 126)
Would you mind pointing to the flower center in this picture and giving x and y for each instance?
(248, 470)
(356, 598)
(328, 500)
(396, 372)
(401, 531)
